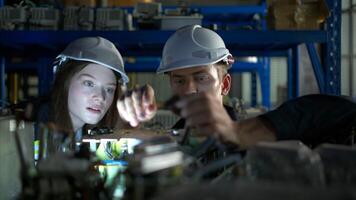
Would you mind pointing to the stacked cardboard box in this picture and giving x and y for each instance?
(296, 14)
(208, 2)
(79, 3)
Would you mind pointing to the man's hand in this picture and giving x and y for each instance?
(137, 105)
(205, 112)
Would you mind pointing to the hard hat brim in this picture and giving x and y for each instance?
(183, 65)
(123, 76)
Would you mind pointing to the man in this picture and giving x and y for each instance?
(196, 60)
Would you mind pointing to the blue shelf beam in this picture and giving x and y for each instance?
(293, 73)
(331, 51)
(318, 70)
(228, 10)
(264, 74)
(217, 10)
(150, 43)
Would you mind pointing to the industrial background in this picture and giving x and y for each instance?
(283, 49)
(273, 64)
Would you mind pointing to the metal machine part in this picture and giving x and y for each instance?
(258, 190)
(13, 18)
(53, 141)
(339, 163)
(147, 10)
(110, 19)
(62, 176)
(11, 165)
(176, 22)
(284, 161)
(78, 18)
(157, 164)
(44, 19)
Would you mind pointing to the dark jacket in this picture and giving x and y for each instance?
(315, 119)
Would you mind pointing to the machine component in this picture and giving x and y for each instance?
(44, 19)
(147, 10)
(100, 131)
(153, 152)
(112, 149)
(78, 18)
(156, 165)
(149, 16)
(51, 141)
(176, 22)
(61, 173)
(246, 190)
(12, 18)
(64, 177)
(110, 19)
(10, 167)
(296, 163)
(173, 19)
(339, 163)
(145, 13)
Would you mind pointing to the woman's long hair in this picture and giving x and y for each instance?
(59, 113)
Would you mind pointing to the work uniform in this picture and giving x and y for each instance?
(315, 119)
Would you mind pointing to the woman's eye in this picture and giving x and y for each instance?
(110, 90)
(88, 83)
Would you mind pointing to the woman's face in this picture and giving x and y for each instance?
(91, 93)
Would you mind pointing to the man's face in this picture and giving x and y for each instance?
(197, 79)
(91, 92)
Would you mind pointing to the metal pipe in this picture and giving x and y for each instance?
(2, 79)
(351, 50)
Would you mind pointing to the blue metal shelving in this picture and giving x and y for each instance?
(331, 55)
(150, 43)
(146, 46)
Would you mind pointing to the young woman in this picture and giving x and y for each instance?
(89, 75)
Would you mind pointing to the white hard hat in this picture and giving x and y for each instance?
(97, 50)
(193, 46)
